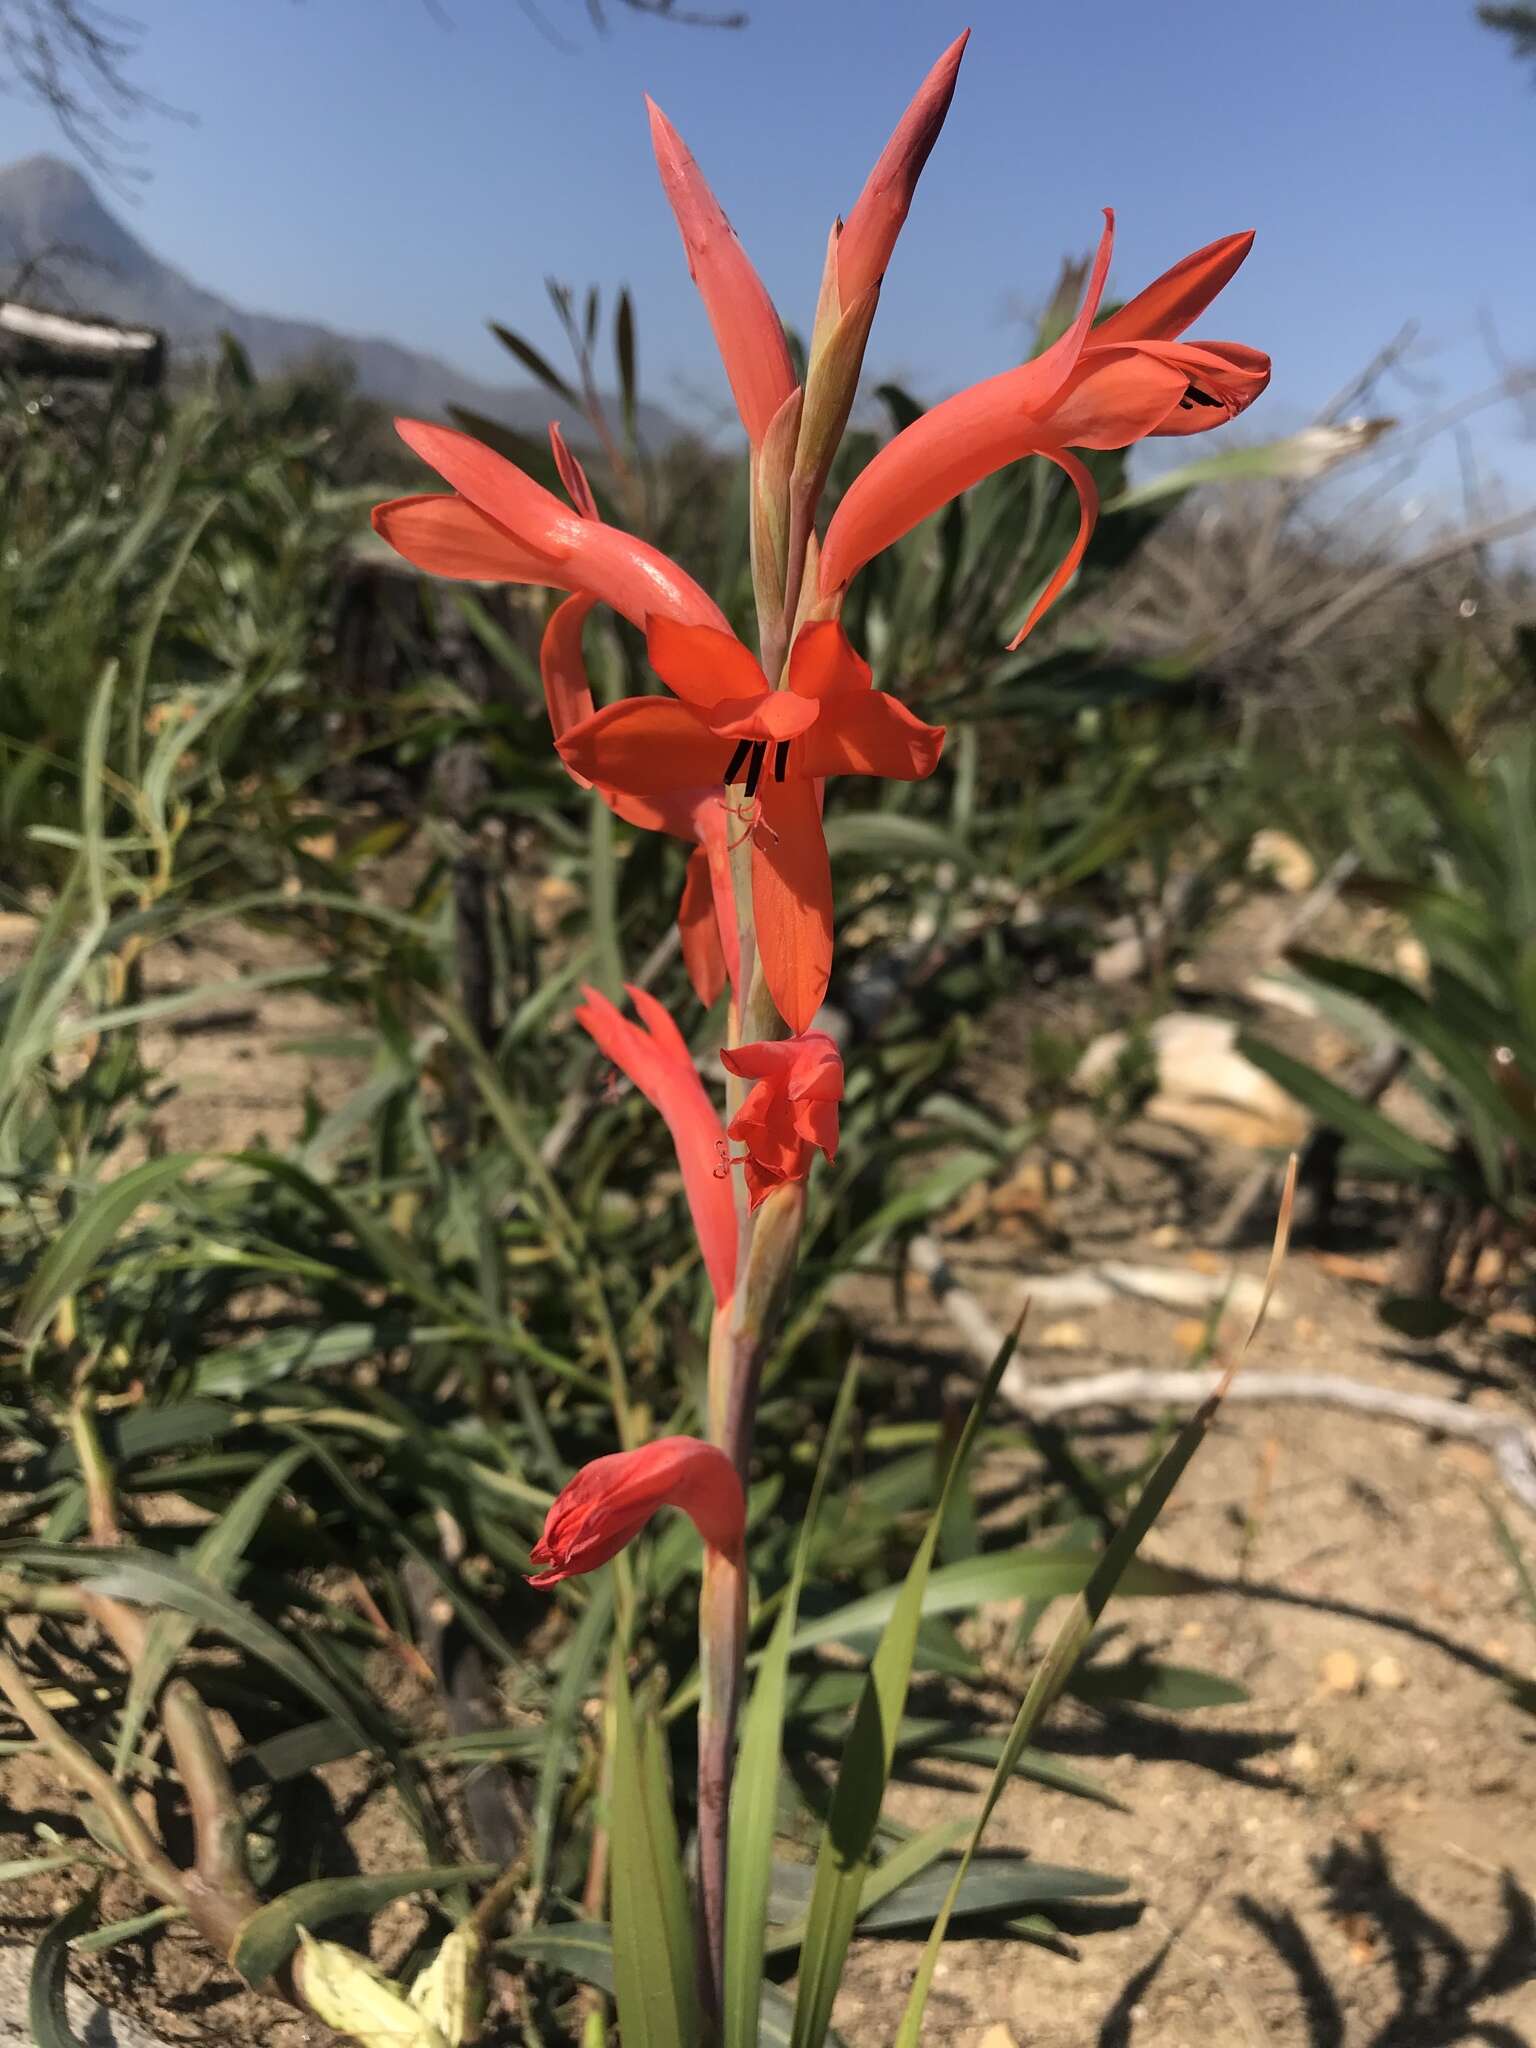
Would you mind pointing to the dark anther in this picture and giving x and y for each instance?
(755, 771)
(1195, 396)
(738, 761)
(780, 760)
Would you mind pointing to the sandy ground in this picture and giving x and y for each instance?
(1346, 1860)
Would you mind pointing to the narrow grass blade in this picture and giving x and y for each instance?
(269, 1937)
(653, 1968)
(1056, 1666)
(46, 2014)
(582, 1654)
(71, 1258)
(843, 1862)
(214, 1558)
(754, 1798)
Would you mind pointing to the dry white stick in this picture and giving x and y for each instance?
(1509, 1441)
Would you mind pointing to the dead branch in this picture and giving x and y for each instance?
(1509, 1441)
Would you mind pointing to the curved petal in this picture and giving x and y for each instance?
(639, 581)
(698, 930)
(1115, 396)
(711, 828)
(1224, 378)
(869, 235)
(493, 485)
(563, 669)
(661, 1067)
(603, 561)
(954, 445)
(1180, 295)
(748, 332)
(702, 664)
(823, 661)
(792, 900)
(646, 746)
(777, 715)
(871, 734)
(572, 475)
(1088, 501)
(443, 533)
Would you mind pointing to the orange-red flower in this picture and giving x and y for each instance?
(791, 1113)
(728, 727)
(655, 1056)
(609, 1502)
(1095, 387)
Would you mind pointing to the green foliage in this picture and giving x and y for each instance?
(1466, 886)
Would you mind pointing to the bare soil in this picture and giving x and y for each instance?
(1344, 1861)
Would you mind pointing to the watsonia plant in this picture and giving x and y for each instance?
(734, 759)
(732, 764)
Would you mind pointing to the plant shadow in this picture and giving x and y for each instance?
(1440, 1987)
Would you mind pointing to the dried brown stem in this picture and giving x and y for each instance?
(139, 1847)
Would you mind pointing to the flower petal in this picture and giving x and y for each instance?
(443, 534)
(701, 664)
(659, 1063)
(823, 661)
(698, 930)
(792, 899)
(1088, 501)
(1180, 295)
(572, 475)
(748, 332)
(1225, 377)
(870, 734)
(955, 445)
(492, 485)
(603, 561)
(646, 746)
(1114, 397)
(563, 668)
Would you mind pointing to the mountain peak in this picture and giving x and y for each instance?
(49, 207)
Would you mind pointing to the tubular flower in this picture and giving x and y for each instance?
(748, 332)
(880, 211)
(706, 917)
(498, 526)
(1095, 387)
(791, 1113)
(655, 1056)
(728, 727)
(609, 1502)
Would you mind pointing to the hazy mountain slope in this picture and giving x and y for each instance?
(82, 258)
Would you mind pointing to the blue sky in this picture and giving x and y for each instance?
(359, 162)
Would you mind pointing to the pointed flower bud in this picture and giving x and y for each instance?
(748, 332)
(869, 234)
(610, 1501)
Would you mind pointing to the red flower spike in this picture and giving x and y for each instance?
(1097, 387)
(791, 1113)
(608, 1503)
(879, 214)
(726, 727)
(655, 1056)
(748, 332)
